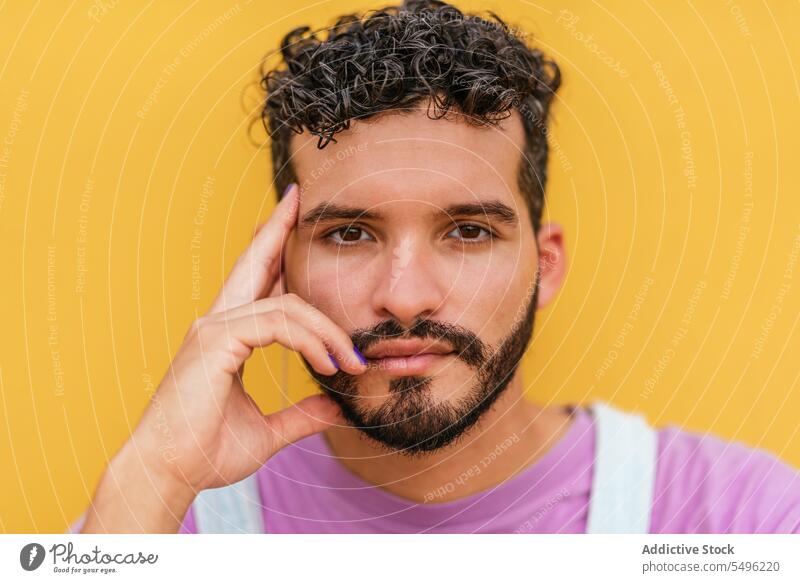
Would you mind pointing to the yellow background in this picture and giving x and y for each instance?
(124, 126)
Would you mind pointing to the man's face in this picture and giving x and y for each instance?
(443, 253)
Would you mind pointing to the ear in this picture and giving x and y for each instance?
(552, 262)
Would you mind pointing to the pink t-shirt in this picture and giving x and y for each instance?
(703, 485)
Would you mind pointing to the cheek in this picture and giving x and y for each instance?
(491, 281)
(487, 296)
(336, 289)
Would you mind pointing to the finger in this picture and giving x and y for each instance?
(307, 417)
(235, 339)
(277, 288)
(256, 268)
(337, 341)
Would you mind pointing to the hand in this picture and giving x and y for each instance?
(219, 434)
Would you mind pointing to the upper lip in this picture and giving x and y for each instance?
(406, 348)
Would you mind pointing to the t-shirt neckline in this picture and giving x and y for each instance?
(545, 474)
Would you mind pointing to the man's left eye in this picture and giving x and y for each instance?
(471, 233)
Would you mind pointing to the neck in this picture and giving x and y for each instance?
(512, 435)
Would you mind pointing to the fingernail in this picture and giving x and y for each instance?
(286, 190)
(360, 356)
(333, 360)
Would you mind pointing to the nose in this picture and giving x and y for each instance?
(409, 286)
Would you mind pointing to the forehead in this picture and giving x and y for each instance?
(397, 156)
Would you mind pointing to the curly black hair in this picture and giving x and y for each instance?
(397, 56)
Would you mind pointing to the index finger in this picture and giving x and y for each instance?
(255, 270)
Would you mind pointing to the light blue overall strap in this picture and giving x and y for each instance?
(623, 481)
(235, 508)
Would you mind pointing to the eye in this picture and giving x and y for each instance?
(470, 233)
(347, 236)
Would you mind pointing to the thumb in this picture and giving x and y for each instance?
(306, 417)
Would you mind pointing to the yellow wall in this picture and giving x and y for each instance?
(123, 128)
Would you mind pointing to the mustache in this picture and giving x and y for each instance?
(466, 345)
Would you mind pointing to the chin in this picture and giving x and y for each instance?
(418, 415)
(374, 390)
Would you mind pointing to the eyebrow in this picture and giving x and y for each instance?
(328, 211)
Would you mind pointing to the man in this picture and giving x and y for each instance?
(405, 263)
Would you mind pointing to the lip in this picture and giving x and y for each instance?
(408, 365)
(407, 356)
(406, 348)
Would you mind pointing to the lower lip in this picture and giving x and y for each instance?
(407, 365)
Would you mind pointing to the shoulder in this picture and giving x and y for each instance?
(705, 484)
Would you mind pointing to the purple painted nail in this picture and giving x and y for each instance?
(333, 360)
(360, 356)
(286, 190)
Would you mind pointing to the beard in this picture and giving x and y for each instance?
(411, 420)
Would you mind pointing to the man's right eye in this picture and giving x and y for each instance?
(344, 236)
